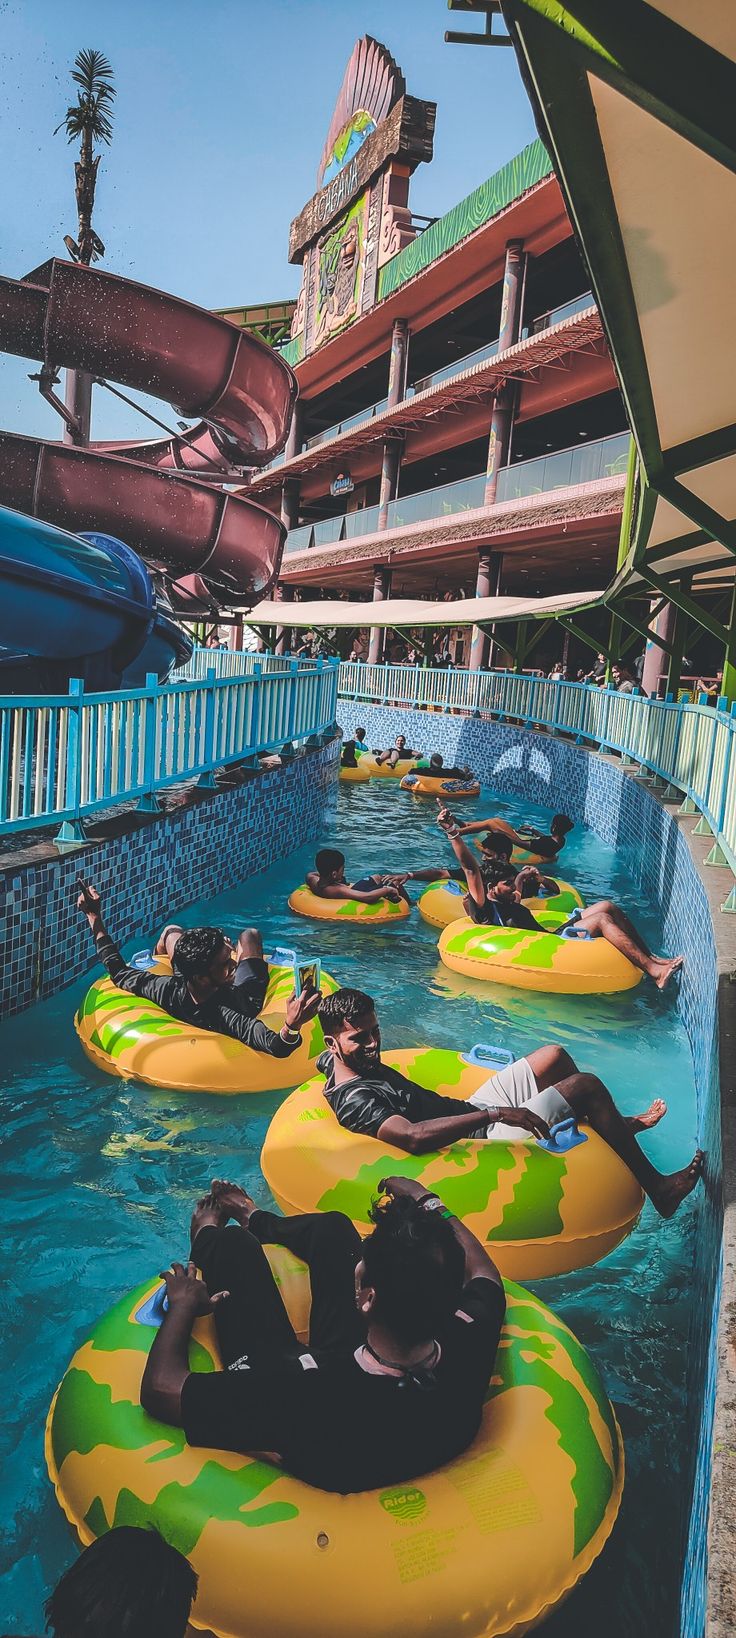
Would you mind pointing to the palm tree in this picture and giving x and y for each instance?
(90, 120)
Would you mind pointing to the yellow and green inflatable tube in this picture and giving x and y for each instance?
(355, 776)
(536, 961)
(127, 1036)
(306, 903)
(491, 1542)
(424, 784)
(383, 770)
(539, 1213)
(442, 902)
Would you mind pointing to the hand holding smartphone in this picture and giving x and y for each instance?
(307, 975)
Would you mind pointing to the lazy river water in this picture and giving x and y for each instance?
(100, 1176)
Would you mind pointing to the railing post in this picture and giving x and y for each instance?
(716, 855)
(556, 705)
(671, 792)
(206, 780)
(334, 679)
(72, 829)
(250, 758)
(293, 697)
(148, 802)
(603, 740)
(703, 827)
(320, 723)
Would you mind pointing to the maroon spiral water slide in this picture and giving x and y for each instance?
(72, 317)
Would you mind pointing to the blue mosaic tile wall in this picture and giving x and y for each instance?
(624, 813)
(151, 873)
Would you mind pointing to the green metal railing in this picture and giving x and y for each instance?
(689, 747)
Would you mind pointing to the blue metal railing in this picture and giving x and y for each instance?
(66, 757)
(226, 662)
(691, 747)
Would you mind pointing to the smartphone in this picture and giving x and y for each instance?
(83, 886)
(307, 975)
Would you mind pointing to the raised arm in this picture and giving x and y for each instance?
(478, 1264)
(151, 986)
(469, 861)
(499, 825)
(259, 1037)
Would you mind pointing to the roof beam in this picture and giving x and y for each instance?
(657, 64)
(642, 627)
(717, 527)
(675, 594)
(598, 644)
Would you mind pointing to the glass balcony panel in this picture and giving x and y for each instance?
(297, 540)
(586, 463)
(447, 371)
(567, 310)
(462, 496)
(327, 532)
(363, 522)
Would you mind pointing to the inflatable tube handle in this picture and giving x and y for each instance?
(563, 1135)
(142, 961)
(151, 1312)
(281, 957)
(490, 1056)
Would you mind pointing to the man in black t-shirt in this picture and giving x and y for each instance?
(249, 976)
(527, 1096)
(200, 989)
(528, 839)
(398, 752)
(495, 901)
(404, 1329)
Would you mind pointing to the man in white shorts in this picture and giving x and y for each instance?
(523, 1085)
(529, 1096)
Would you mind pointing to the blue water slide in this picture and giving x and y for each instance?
(82, 605)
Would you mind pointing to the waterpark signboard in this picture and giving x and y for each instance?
(340, 189)
(359, 217)
(406, 134)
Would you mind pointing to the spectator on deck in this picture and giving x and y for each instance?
(624, 680)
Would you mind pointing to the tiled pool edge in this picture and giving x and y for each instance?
(667, 860)
(149, 874)
(717, 1471)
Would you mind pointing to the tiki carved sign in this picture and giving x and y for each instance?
(405, 134)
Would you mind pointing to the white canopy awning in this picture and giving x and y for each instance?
(403, 613)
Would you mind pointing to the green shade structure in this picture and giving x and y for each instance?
(635, 104)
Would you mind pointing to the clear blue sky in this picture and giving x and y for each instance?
(221, 113)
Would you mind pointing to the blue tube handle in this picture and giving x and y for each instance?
(564, 1135)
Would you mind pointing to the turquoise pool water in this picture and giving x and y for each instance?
(100, 1176)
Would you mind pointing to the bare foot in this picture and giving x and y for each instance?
(678, 1186)
(168, 940)
(666, 969)
(651, 1117)
(232, 1201)
(208, 1213)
